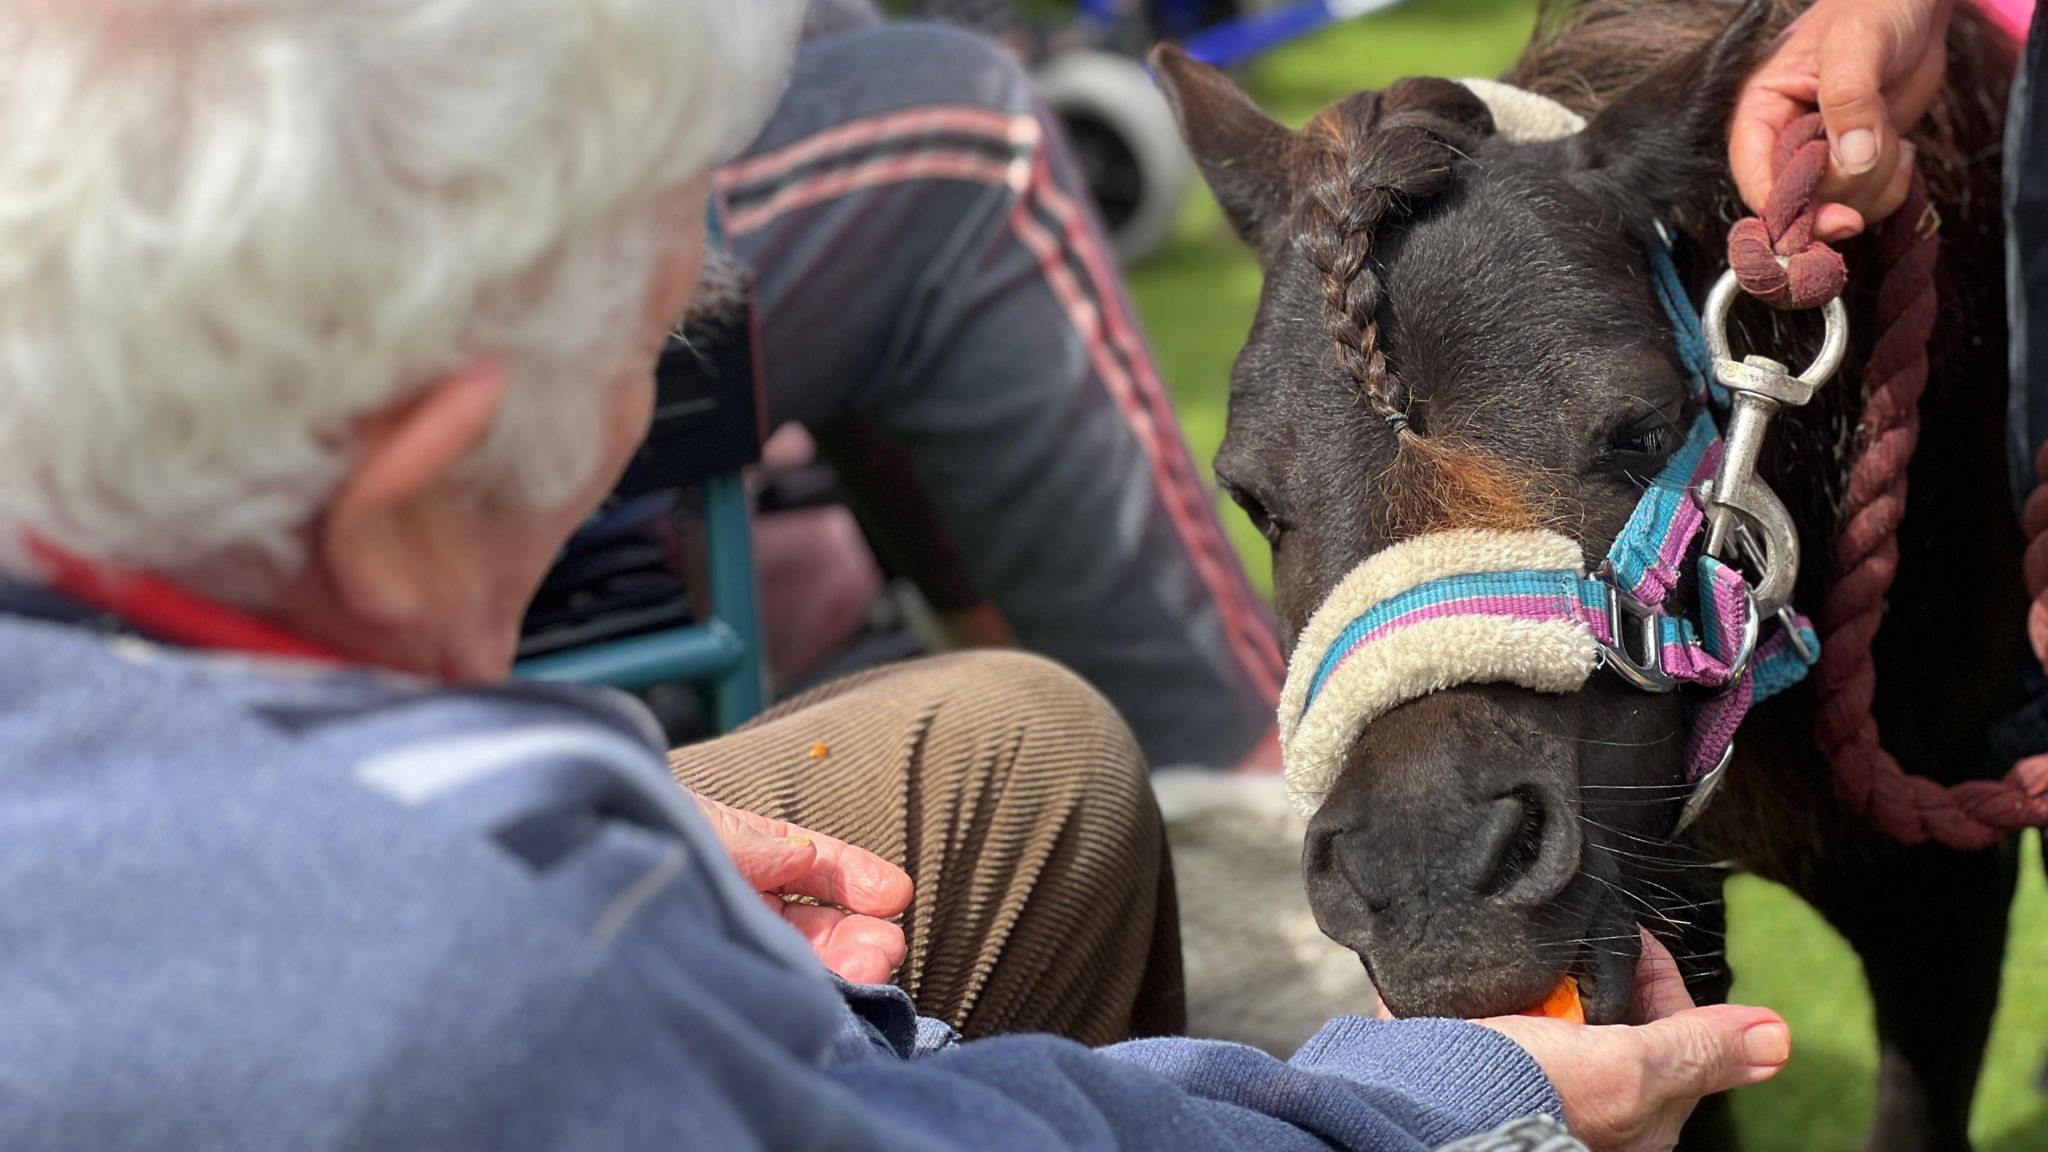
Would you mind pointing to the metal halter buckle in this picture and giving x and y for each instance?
(1626, 615)
(1629, 619)
(1703, 791)
(1752, 630)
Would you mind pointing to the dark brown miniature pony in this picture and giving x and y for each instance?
(1420, 269)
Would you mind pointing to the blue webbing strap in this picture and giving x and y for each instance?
(1685, 326)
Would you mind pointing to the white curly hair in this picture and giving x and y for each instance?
(230, 229)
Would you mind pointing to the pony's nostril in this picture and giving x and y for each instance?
(1346, 859)
(1512, 833)
(1319, 855)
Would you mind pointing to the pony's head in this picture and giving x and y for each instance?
(1458, 331)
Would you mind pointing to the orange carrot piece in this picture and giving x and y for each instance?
(1563, 1003)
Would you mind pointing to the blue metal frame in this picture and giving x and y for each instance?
(723, 651)
(1233, 41)
(1236, 41)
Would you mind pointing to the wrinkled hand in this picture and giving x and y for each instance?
(1871, 67)
(1629, 1088)
(857, 889)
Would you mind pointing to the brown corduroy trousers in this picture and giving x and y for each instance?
(1019, 804)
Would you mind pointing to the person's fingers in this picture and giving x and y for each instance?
(767, 863)
(1836, 222)
(1660, 987)
(1633, 1086)
(825, 927)
(841, 939)
(1851, 92)
(1760, 115)
(771, 864)
(1908, 97)
(1872, 69)
(1871, 198)
(1894, 191)
(1702, 1051)
(837, 872)
(855, 879)
(852, 878)
(860, 964)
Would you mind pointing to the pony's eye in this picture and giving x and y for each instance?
(1639, 449)
(1256, 511)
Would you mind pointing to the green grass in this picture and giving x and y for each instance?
(1785, 956)
(1197, 301)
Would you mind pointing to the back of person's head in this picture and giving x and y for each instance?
(231, 229)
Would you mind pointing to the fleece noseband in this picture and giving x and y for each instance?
(1522, 608)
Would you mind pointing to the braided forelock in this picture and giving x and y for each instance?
(1367, 159)
(1370, 157)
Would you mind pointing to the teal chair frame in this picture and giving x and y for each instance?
(722, 651)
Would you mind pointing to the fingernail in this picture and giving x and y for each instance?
(1767, 1045)
(797, 841)
(1857, 151)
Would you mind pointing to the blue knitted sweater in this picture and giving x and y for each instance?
(257, 905)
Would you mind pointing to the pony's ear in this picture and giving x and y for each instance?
(1241, 151)
(1666, 138)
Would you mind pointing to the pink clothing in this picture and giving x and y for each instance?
(2012, 15)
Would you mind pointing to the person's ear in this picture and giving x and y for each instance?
(378, 537)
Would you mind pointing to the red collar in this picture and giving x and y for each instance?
(163, 611)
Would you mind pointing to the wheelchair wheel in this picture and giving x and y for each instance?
(1125, 141)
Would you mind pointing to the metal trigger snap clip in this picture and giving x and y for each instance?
(1764, 539)
(1758, 386)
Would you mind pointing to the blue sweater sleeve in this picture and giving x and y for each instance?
(709, 990)
(1371, 1086)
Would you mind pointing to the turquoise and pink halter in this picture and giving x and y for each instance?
(1452, 608)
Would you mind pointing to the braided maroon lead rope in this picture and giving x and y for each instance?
(1910, 809)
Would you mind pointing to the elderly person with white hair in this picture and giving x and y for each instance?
(323, 323)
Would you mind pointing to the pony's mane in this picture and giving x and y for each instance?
(1586, 53)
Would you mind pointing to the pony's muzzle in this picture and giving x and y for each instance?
(1440, 853)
